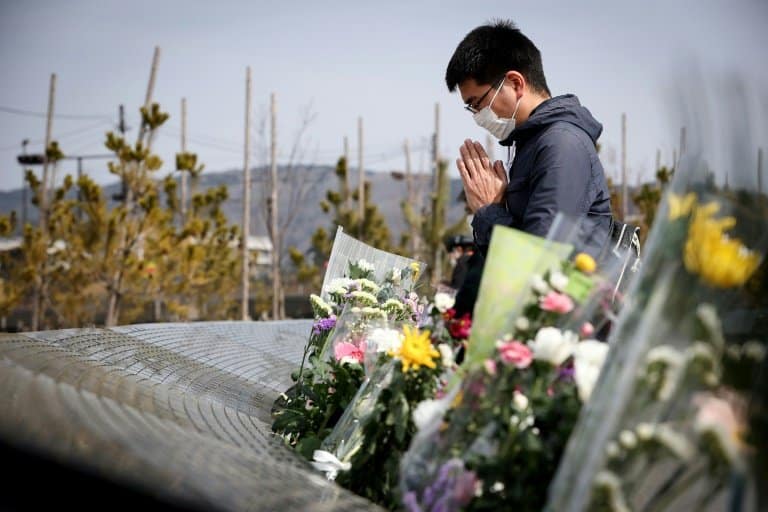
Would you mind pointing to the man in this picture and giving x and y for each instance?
(552, 163)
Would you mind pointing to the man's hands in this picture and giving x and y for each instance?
(483, 183)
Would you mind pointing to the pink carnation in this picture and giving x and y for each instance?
(349, 352)
(516, 353)
(557, 303)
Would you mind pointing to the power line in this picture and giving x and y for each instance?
(60, 136)
(30, 113)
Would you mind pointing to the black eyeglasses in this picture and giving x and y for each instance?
(474, 108)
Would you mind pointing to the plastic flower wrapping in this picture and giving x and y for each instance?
(351, 312)
(678, 420)
(499, 431)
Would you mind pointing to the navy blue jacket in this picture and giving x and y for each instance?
(555, 169)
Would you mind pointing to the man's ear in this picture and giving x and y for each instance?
(516, 80)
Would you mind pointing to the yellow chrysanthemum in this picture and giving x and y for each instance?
(681, 206)
(416, 350)
(585, 263)
(721, 261)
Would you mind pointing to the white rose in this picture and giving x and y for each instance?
(444, 302)
(427, 412)
(520, 401)
(446, 354)
(553, 345)
(588, 359)
(385, 340)
(539, 285)
(558, 280)
(522, 324)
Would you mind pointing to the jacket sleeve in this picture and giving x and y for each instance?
(560, 180)
(484, 220)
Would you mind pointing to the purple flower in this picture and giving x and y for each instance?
(323, 325)
(453, 488)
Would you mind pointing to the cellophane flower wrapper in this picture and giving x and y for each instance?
(501, 431)
(332, 368)
(678, 420)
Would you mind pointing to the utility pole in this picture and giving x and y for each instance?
(24, 199)
(658, 160)
(759, 170)
(346, 174)
(246, 197)
(411, 196)
(361, 177)
(624, 194)
(438, 271)
(39, 290)
(274, 227)
(183, 151)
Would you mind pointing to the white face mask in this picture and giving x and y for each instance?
(497, 126)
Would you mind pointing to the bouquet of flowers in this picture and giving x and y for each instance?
(679, 421)
(332, 369)
(409, 366)
(501, 433)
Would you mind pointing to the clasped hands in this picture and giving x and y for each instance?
(483, 183)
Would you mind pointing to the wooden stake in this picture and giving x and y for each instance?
(624, 193)
(346, 174)
(274, 228)
(184, 150)
(246, 198)
(361, 177)
(760, 170)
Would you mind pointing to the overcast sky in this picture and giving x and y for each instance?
(384, 61)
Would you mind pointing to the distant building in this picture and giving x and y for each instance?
(260, 248)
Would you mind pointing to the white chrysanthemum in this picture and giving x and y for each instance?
(364, 298)
(676, 443)
(522, 323)
(393, 305)
(520, 401)
(558, 280)
(588, 359)
(364, 265)
(385, 340)
(539, 285)
(321, 308)
(446, 354)
(608, 483)
(368, 286)
(427, 412)
(444, 301)
(372, 313)
(663, 365)
(339, 285)
(395, 276)
(644, 431)
(627, 439)
(553, 345)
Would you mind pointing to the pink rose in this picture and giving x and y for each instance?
(490, 366)
(349, 353)
(587, 330)
(557, 303)
(516, 353)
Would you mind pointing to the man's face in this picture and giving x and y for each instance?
(479, 96)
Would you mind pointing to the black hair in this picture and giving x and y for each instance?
(489, 51)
